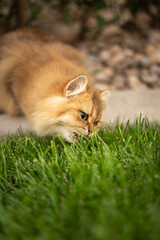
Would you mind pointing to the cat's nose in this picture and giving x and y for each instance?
(89, 131)
(90, 128)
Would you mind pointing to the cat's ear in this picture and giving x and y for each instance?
(76, 86)
(104, 94)
(104, 97)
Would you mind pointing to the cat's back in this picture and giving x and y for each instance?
(24, 36)
(34, 44)
(25, 52)
(29, 58)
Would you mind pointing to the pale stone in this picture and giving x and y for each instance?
(115, 49)
(155, 70)
(116, 59)
(149, 79)
(131, 71)
(135, 83)
(93, 64)
(104, 75)
(64, 32)
(155, 57)
(104, 56)
(149, 49)
(144, 61)
(130, 42)
(100, 76)
(138, 57)
(110, 31)
(128, 52)
(154, 36)
(107, 15)
(119, 82)
(102, 86)
(108, 72)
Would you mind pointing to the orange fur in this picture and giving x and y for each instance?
(47, 81)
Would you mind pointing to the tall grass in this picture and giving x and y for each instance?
(105, 187)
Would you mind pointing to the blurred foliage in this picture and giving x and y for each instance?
(35, 9)
(151, 7)
(17, 13)
(145, 5)
(82, 10)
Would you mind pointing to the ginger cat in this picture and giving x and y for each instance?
(46, 81)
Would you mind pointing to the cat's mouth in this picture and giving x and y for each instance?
(75, 135)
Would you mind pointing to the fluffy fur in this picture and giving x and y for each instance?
(46, 81)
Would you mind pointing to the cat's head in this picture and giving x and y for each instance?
(77, 110)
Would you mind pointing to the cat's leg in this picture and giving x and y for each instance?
(8, 103)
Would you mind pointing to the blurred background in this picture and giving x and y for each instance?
(118, 39)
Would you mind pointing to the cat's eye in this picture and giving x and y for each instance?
(84, 116)
(96, 123)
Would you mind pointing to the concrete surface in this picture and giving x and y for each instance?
(122, 104)
(130, 104)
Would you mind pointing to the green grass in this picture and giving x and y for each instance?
(107, 187)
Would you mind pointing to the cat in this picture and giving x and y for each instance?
(47, 82)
